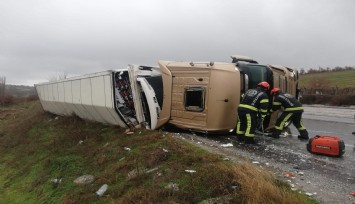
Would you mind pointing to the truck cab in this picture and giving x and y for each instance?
(252, 73)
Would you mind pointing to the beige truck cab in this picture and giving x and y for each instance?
(200, 96)
(204, 96)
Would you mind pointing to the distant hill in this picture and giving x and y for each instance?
(20, 91)
(340, 79)
(336, 88)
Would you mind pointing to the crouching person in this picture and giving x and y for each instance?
(292, 111)
(254, 100)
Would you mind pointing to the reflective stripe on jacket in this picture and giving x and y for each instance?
(290, 103)
(253, 100)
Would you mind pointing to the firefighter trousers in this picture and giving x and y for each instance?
(295, 117)
(247, 123)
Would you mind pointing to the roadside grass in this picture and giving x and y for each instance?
(144, 167)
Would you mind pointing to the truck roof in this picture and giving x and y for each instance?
(79, 77)
(204, 65)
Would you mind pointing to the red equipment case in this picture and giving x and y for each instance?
(327, 145)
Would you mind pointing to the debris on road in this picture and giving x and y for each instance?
(227, 145)
(85, 179)
(56, 182)
(101, 190)
(132, 174)
(152, 170)
(289, 175)
(172, 186)
(128, 131)
(300, 173)
(309, 194)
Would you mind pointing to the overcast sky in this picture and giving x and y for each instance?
(40, 39)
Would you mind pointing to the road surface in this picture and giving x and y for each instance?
(328, 179)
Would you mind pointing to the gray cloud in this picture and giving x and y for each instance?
(40, 38)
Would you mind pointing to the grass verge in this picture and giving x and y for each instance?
(144, 167)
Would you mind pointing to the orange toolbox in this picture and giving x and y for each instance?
(327, 145)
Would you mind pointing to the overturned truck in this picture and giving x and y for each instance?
(197, 96)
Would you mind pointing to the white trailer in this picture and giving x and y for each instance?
(121, 97)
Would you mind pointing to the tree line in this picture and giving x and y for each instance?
(2, 88)
(328, 69)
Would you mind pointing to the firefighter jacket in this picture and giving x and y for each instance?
(290, 103)
(253, 100)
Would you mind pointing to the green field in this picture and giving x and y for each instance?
(341, 79)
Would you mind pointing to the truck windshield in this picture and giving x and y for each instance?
(256, 74)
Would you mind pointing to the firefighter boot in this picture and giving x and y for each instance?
(240, 137)
(249, 140)
(303, 135)
(276, 134)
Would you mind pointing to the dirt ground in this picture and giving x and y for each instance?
(8, 113)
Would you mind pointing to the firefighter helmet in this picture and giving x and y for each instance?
(264, 85)
(275, 91)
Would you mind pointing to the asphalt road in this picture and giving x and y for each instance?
(328, 179)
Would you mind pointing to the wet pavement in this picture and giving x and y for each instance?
(328, 179)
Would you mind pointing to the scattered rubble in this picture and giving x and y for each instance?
(152, 170)
(311, 194)
(172, 186)
(190, 171)
(128, 131)
(289, 175)
(132, 174)
(101, 190)
(297, 166)
(223, 199)
(56, 182)
(227, 145)
(85, 179)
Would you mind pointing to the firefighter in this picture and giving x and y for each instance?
(292, 111)
(253, 102)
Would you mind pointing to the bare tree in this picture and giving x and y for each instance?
(302, 72)
(59, 76)
(2, 88)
